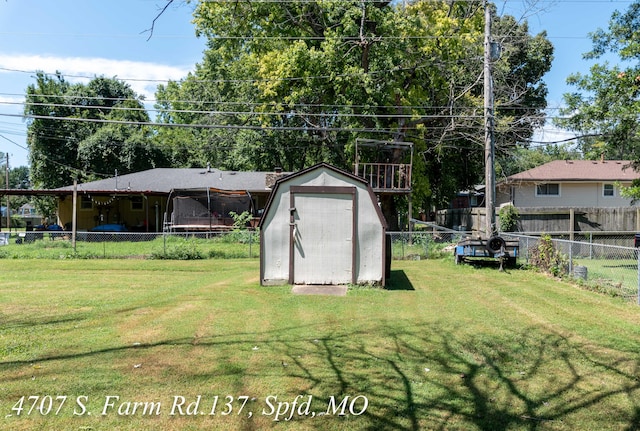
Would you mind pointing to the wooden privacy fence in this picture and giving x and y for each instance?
(549, 220)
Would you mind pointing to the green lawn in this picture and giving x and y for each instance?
(619, 276)
(444, 347)
(231, 245)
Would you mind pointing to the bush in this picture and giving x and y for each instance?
(509, 217)
(548, 259)
(184, 249)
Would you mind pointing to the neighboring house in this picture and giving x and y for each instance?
(145, 201)
(322, 226)
(471, 198)
(27, 210)
(29, 215)
(568, 183)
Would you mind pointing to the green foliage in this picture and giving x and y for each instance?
(631, 192)
(180, 249)
(546, 258)
(45, 205)
(45, 249)
(303, 80)
(604, 106)
(16, 220)
(240, 221)
(60, 151)
(421, 246)
(509, 217)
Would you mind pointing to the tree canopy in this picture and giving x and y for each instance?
(290, 84)
(293, 83)
(604, 107)
(86, 130)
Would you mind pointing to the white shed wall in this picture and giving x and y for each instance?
(275, 241)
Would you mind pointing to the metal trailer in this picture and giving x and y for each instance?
(496, 247)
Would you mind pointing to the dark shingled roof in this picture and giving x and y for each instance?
(163, 180)
(578, 170)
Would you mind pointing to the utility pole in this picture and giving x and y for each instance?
(6, 173)
(74, 215)
(489, 144)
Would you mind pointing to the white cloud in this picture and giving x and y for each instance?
(143, 77)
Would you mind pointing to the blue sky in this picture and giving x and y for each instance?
(106, 37)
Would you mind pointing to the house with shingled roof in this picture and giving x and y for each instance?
(165, 198)
(568, 183)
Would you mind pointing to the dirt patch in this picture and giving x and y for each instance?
(312, 289)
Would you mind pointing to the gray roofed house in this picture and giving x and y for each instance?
(163, 180)
(166, 198)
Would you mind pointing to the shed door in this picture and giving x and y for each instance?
(322, 235)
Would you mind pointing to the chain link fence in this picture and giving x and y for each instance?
(243, 243)
(417, 245)
(594, 260)
(607, 262)
(240, 243)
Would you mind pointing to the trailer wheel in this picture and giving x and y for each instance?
(495, 244)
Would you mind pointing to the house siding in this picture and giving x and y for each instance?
(587, 194)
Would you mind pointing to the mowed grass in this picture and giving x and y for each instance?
(621, 274)
(174, 246)
(444, 347)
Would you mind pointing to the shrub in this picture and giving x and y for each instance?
(183, 249)
(509, 217)
(547, 258)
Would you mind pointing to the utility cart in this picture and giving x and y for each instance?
(496, 247)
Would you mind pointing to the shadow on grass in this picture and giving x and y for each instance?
(421, 376)
(399, 281)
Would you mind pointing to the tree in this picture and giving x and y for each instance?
(304, 80)
(605, 106)
(86, 130)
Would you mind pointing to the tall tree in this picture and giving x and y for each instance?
(304, 80)
(605, 106)
(84, 130)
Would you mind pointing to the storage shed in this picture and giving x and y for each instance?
(322, 226)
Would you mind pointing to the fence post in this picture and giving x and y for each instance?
(638, 257)
(571, 257)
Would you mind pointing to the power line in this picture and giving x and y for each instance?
(204, 126)
(13, 142)
(248, 113)
(383, 72)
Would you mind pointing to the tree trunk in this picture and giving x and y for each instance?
(390, 212)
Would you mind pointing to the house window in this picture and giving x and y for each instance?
(551, 189)
(607, 190)
(86, 203)
(136, 203)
